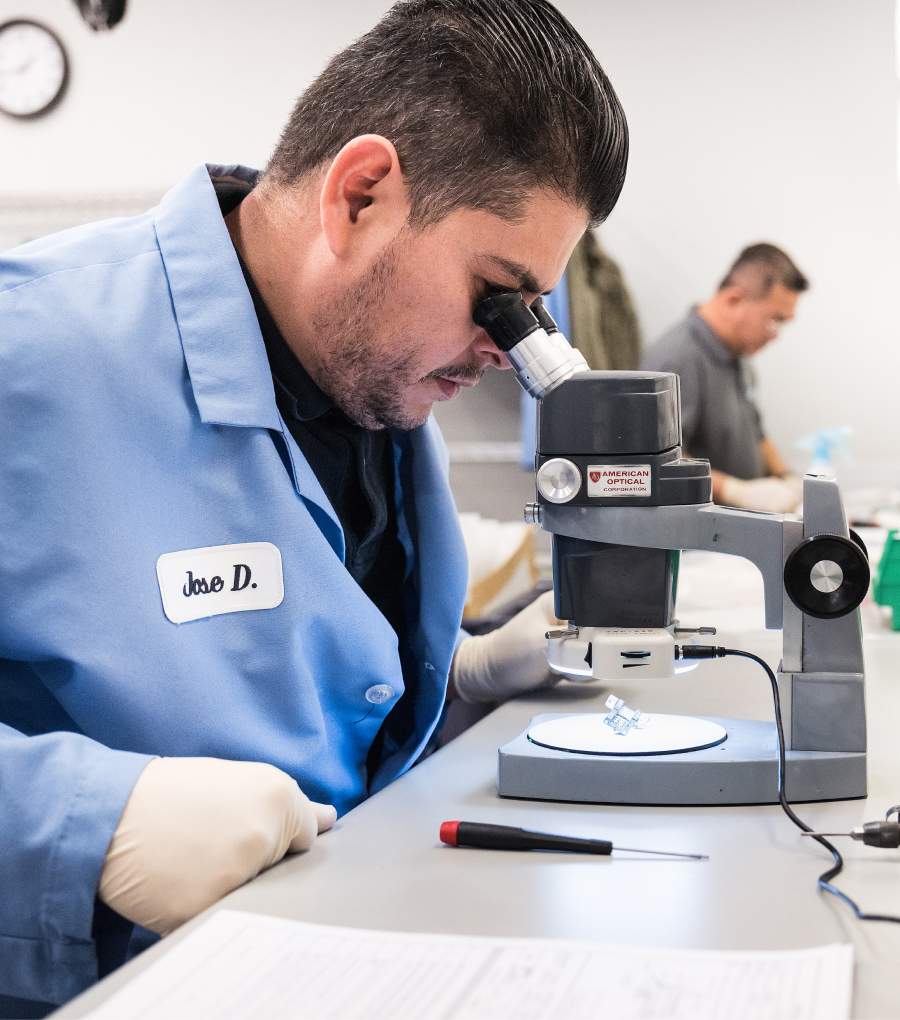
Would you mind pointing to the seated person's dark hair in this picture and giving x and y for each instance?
(484, 100)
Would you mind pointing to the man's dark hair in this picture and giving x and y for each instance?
(765, 265)
(484, 100)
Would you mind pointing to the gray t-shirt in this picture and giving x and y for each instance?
(719, 419)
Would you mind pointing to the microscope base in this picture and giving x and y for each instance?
(742, 770)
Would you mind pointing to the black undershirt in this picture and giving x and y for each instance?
(354, 465)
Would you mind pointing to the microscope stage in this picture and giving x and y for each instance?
(559, 757)
(587, 733)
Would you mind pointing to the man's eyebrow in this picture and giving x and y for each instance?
(524, 280)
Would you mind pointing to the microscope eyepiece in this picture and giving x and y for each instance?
(506, 319)
(540, 354)
(544, 317)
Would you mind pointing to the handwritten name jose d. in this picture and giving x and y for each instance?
(202, 586)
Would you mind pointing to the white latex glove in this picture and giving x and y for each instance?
(196, 828)
(509, 660)
(775, 495)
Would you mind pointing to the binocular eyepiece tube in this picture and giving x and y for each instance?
(539, 353)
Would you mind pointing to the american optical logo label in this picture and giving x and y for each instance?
(619, 480)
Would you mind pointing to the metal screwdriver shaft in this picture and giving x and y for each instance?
(663, 853)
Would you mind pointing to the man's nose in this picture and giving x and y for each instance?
(487, 353)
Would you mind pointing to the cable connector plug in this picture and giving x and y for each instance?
(884, 834)
(700, 652)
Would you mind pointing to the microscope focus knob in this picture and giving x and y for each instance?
(827, 576)
(558, 480)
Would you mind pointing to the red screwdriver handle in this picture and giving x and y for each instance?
(507, 837)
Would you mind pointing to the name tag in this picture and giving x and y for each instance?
(196, 583)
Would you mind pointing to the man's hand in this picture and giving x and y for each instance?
(196, 828)
(775, 495)
(510, 660)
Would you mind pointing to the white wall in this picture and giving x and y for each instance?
(769, 120)
(176, 83)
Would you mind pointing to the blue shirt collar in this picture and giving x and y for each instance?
(223, 347)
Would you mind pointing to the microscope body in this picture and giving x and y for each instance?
(612, 440)
(621, 503)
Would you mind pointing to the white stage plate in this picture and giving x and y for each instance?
(586, 733)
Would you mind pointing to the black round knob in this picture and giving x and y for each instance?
(858, 539)
(827, 576)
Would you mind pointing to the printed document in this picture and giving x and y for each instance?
(243, 966)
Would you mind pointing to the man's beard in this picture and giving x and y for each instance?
(364, 375)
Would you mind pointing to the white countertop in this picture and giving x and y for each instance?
(383, 867)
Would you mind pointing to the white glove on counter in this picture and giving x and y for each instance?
(509, 660)
(196, 828)
(774, 495)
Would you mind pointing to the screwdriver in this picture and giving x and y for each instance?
(883, 834)
(507, 837)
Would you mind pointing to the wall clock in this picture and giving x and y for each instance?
(34, 68)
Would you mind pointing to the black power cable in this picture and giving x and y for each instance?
(825, 879)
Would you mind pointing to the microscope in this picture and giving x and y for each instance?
(621, 503)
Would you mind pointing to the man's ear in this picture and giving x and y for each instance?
(733, 294)
(363, 203)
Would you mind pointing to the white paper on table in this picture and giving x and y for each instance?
(253, 967)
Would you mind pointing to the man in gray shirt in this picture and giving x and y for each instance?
(710, 350)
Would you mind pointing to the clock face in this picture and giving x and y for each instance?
(33, 68)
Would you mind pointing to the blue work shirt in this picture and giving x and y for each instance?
(139, 419)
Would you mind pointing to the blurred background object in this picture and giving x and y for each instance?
(603, 323)
(887, 578)
(101, 15)
(501, 562)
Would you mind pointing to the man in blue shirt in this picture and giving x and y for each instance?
(232, 573)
